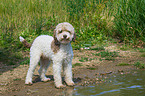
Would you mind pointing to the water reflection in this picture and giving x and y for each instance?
(68, 92)
(131, 84)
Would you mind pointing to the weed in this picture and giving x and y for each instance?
(142, 55)
(25, 61)
(11, 63)
(91, 68)
(139, 65)
(9, 58)
(77, 64)
(98, 48)
(11, 69)
(17, 79)
(14, 66)
(109, 58)
(85, 59)
(122, 64)
(123, 48)
(100, 59)
(107, 54)
(141, 49)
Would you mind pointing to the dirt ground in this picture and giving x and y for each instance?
(91, 70)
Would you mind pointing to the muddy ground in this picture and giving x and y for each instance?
(88, 69)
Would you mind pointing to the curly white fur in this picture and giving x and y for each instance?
(42, 50)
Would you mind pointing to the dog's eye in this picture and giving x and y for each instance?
(60, 31)
(68, 31)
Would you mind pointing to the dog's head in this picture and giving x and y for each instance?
(64, 33)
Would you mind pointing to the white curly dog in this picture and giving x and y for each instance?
(58, 50)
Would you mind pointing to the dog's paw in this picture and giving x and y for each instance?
(61, 86)
(28, 83)
(71, 84)
(45, 79)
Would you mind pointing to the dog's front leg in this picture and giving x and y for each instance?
(68, 72)
(57, 65)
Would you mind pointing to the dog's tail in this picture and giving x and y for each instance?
(25, 43)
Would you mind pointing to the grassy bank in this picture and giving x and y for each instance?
(94, 21)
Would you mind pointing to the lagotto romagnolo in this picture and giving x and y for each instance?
(56, 49)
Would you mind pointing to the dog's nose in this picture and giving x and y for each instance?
(64, 36)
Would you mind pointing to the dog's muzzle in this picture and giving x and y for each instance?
(65, 39)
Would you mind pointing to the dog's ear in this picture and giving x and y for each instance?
(55, 39)
(74, 38)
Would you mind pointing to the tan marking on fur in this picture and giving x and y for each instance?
(55, 39)
(26, 44)
(55, 47)
(74, 38)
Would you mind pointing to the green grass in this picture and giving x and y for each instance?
(107, 54)
(122, 64)
(77, 64)
(129, 22)
(98, 48)
(25, 62)
(85, 59)
(109, 58)
(139, 65)
(124, 48)
(141, 49)
(9, 58)
(142, 55)
(90, 68)
(94, 21)
(17, 79)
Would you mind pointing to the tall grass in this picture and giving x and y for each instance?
(28, 18)
(94, 20)
(86, 17)
(130, 20)
(31, 18)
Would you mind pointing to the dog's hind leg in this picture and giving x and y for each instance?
(34, 59)
(44, 64)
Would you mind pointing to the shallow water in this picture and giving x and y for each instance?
(125, 84)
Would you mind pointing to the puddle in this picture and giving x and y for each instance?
(128, 84)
